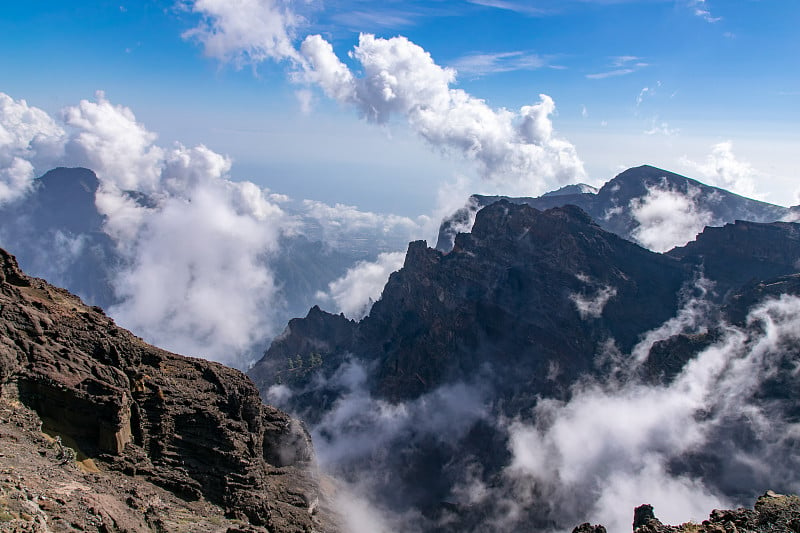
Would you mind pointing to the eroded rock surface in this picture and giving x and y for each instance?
(189, 433)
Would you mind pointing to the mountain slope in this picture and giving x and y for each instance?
(142, 419)
(464, 366)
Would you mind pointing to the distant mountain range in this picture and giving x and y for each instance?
(614, 205)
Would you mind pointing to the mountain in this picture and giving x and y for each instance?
(103, 432)
(613, 207)
(470, 352)
(57, 233)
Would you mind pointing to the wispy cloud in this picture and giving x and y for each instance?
(517, 7)
(370, 19)
(479, 64)
(610, 73)
(660, 127)
(702, 10)
(620, 66)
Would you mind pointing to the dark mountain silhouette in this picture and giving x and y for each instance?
(610, 206)
(526, 306)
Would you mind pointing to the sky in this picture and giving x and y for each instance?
(433, 98)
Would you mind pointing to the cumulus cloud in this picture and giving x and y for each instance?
(196, 278)
(516, 149)
(354, 293)
(108, 139)
(667, 218)
(722, 169)
(245, 31)
(30, 142)
(195, 248)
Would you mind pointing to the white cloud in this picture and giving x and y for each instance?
(701, 9)
(667, 218)
(660, 127)
(621, 66)
(591, 306)
(355, 292)
(517, 150)
(517, 7)
(245, 31)
(722, 169)
(30, 141)
(106, 138)
(341, 226)
(196, 278)
(483, 64)
(615, 448)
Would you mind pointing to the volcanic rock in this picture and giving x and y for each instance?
(146, 425)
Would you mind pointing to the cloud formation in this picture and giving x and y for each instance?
(354, 293)
(722, 169)
(616, 448)
(667, 218)
(30, 141)
(518, 150)
(195, 278)
(591, 305)
(482, 64)
(245, 31)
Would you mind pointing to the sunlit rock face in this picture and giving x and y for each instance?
(149, 418)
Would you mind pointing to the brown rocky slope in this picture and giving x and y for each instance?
(157, 441)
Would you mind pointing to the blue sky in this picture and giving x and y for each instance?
(633, 82)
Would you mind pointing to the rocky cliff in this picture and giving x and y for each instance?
(525, 292)
(103, 432)
(528, 310)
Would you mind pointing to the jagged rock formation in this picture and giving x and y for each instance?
(149, 425)
(772, 513)
(610, 206)
(526, 291)
(526, 306)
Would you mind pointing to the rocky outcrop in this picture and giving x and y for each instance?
(772, 513)
(743, 252)
(187, 429)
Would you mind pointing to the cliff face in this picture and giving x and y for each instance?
(186, 431)
(525, 292)
(523, 312)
